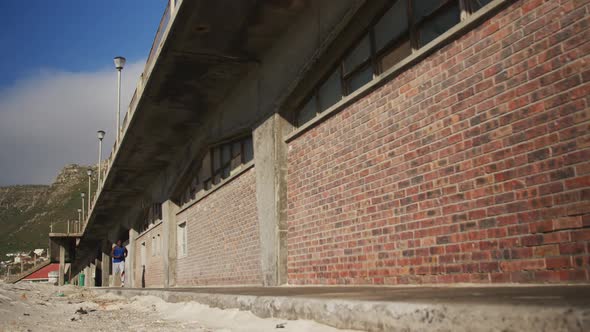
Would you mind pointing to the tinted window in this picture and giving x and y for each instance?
(424, 8)
(307, 112)
(361, 78)
(440, 23)
(248, 150)
(359, 54)
(395, 55)
(331, 91)
(392, 25)
(478, 4)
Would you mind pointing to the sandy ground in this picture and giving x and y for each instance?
(41, 307)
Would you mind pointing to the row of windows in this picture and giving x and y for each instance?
(219, 163)
(154, 214)
(404, 26)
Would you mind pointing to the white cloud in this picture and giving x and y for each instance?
(50, 120)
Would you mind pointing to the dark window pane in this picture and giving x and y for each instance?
(392, 25)
(395, 55)
(236, 149)
(225, 172)
(440, 23)
(308, 111)
(424, 8)
(225, 154)
(359, 79)
(359, 54)
(330, 92)
(248, 150)
(478, 4)
(236, 162)
(216, 159)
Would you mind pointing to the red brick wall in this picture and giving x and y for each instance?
(154, 267)
(472, 166)
(223, 237)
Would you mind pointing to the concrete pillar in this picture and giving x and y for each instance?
(106, 264)
(97, 269)
(86, 276)
(270, 158)
(131, 259)
(169, 210)
(62, 263)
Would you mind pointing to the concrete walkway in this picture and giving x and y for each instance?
(456, 308)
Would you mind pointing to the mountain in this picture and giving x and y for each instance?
(27, 211)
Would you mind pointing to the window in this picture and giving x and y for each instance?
(433, 18)
(158, 245)
(181, 239)
(219, 163)
(143, 254)
(153, 215)
(403, 26)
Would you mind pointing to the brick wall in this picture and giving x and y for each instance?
(154, 263)
(472, 166)
(223, 237)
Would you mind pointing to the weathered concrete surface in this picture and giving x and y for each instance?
(270, 159)
(169, 210)
(512, 308)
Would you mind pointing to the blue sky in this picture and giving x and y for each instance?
(73, 35)
(58, 82)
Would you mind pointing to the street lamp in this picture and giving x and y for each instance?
(82, 195)
(119, 64)
(101, 134)
(89, 172)
(79, 219)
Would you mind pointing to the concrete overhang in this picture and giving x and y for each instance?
(207, 48)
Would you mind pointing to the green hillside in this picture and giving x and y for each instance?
(26, 212)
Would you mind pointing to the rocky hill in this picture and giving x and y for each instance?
(26, 212)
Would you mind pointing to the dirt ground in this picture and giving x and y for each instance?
(42, 307)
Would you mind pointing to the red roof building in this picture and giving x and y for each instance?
(42, 274)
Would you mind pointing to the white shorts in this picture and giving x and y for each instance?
(119, 267)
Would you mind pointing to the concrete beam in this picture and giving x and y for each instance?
(270, 155)
(169, 210)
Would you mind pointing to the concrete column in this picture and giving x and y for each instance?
(270, 157)
(62, 263)
(106, 264)
(97, 269)
(169, 210)
(131, 259)
(86, 276)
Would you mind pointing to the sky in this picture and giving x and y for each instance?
(58, 81)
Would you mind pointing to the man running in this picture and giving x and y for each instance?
(119, 253)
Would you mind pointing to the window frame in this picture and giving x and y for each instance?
(182, 239)
(374, 61)
(214, 176)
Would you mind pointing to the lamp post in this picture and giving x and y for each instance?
(89, 172)
(101, 134)
(82, 195)
(79, 219)
(119, 64)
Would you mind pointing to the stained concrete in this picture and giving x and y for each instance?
(506, 308)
